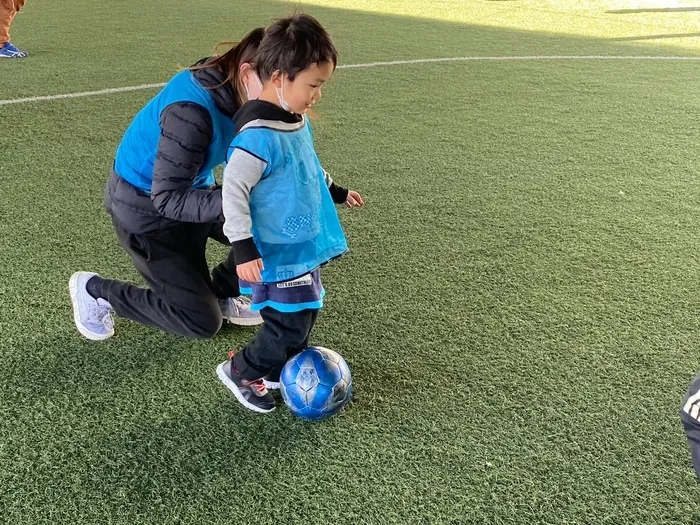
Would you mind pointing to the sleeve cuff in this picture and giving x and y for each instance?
(244, 251)
(338, 193)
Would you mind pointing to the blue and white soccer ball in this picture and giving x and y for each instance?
(316, 383)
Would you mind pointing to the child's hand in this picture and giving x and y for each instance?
(250, 271)
(354, 200)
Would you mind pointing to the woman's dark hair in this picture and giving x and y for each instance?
(230, 62)
(293, 44)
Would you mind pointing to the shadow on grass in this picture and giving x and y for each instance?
(654, 37)
(654, 10)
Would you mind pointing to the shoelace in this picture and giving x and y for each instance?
(100, 314)
(242, 300)
(236, 304)
(258, 386)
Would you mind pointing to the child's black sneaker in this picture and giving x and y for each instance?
(251, 394)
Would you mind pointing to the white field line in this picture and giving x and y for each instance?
(358, 66)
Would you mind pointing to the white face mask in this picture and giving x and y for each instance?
(260, 86)
(280, 97)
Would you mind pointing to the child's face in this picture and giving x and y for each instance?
(305, 90)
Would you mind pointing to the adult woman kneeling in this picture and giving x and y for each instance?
(165, 205)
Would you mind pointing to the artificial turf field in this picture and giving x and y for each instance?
(520, 306)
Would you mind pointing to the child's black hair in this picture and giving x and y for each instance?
(293, 44)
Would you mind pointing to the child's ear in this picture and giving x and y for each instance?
(276, 79)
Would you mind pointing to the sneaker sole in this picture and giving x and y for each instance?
(241, 321)
(73, 288)
(233, 388)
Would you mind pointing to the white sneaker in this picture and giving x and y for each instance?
(93, 317)
(236, 310)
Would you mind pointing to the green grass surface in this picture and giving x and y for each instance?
(519, 308)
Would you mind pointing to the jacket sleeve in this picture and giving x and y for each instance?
(186, 130)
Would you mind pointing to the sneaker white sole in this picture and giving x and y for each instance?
(87, 334)
(271, 385)
(233, 388)
(242, 321)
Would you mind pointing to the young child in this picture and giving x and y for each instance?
(278, 205)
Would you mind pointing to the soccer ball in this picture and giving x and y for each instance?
(316, 383)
